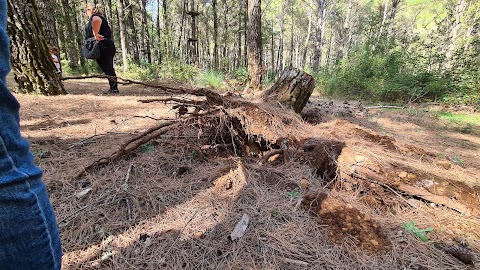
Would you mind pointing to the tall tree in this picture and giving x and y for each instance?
(31, 61)
(215, 34)
(68, 18)
(307, 38)
(47, 16)
(317, 55)
(281, 41)
(254, 53)
(123, 34)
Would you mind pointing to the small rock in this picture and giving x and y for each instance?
(402, 174)
(445, 164)
(359, 158)
(198, 235)
(304, 183)
(411, 176)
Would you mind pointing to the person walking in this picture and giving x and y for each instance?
(29, 237)
(99, 28)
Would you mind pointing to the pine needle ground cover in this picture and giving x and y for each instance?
(335, 188)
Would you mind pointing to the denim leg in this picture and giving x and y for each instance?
(28, 231)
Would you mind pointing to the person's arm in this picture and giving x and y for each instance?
(96, 23)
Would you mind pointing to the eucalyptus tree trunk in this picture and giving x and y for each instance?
(317, 54)
(254, 36)
(123, 35)
(31, 61)
(215, 34)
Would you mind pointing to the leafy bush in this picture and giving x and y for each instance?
(88, 68)
(384, 77)
(211, 79)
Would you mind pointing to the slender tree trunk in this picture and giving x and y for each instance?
(292, 3)
(225, 33)
(208, 57)
(239, 35)
(245, 25)
(31, 61)
(123, 34)
(184, 12)
(159, 34)
(254, 36)
(77, 36)
(382, 25)
(272, 50)
(132, 39)
(305, 48)
(317, 55)
(167, 30)
(215, 35)
(281, 40)
(71, 49)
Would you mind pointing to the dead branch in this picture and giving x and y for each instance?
(129, 146)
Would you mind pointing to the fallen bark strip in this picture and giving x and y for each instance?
(407, 190)
(129, 146)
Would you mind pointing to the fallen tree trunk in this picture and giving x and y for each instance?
(292, 89)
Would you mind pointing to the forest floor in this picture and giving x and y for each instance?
(172, 204)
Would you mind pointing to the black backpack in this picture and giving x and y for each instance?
(91, 48)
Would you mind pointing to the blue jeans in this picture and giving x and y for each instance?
(29, 236)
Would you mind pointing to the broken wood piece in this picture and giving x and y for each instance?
(293, 88)
(297, 262)
(82, 193)
(240, 228)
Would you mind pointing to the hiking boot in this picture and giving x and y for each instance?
(111, 92)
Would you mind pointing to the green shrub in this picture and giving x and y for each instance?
(210, 79)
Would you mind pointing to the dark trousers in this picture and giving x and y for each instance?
(106, 64)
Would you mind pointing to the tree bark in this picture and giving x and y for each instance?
(132, 39)
(31, 61)
(292, 89)
(72, 51)
(305, 48)
(317, 55)
(47, 16)
(123, 35)
(254, 36)
(281, 40)
(159, 35)
(215, 35)
(292, 3)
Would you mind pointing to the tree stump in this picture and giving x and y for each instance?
(293, 89)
